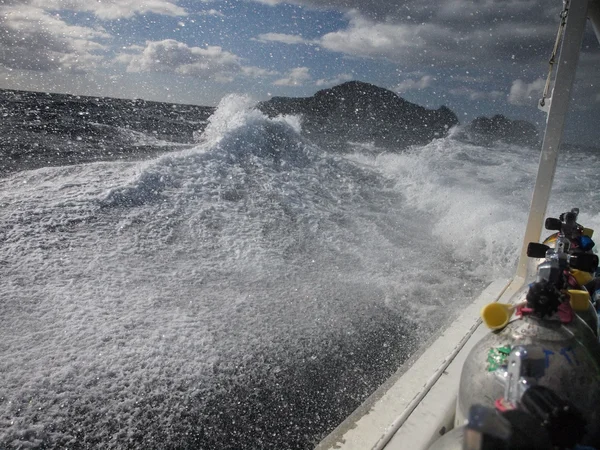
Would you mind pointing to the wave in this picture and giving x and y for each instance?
(478, 197)
(160, 301)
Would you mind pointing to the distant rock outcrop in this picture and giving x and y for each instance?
(362, 112)
(485, 130)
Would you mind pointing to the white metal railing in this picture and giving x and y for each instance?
(561, 96)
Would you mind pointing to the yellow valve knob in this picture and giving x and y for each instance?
(580, 300)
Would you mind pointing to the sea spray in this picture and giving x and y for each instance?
(247, 293)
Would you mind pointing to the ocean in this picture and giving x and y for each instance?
(224, 282)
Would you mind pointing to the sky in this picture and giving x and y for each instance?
(478, 57)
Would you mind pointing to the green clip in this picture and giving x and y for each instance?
(497, 356)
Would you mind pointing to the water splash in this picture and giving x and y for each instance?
(224, 280)
(234, 111)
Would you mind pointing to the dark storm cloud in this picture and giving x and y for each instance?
(458, 12)
(454, 32)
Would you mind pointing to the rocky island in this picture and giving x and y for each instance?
(362, 112)
(484, 130)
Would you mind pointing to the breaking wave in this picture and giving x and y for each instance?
(249, 292)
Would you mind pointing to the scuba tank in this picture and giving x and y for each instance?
(561, 350)
(562, 357)
(571, 278)
(580, 238)
(540, 419)
(572, 249)
(519, 383)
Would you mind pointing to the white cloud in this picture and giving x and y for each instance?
(410, 84)
(211, 62)
(110, 10)
(257, 72)
(32, 39)
(171, 56)
(283, 38)
(295, 77)
(333, 81)
(433, 34)
(522, 93)
(450, 11)
(440, 44)
(366, 38)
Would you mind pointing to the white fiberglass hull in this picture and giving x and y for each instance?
(417, 405)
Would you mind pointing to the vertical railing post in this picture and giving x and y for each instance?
(561, 96)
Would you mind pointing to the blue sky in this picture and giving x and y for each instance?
(479, 57)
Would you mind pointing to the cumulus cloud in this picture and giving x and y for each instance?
(258, 72)
(110, 10)
(366, 38)
(526, 94)
(283, 38)
(295, 77)
(169, 55)
(439, 43)
(452, 33)
(463, 11)
(410, 84)
(32, 39)
(33, 36)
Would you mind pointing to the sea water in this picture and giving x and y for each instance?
(251, 291)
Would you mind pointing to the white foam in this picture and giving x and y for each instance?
(234, 111)
(123, 282)
(478, 198)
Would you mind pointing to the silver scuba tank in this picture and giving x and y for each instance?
(570, 364)
(537, 418)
